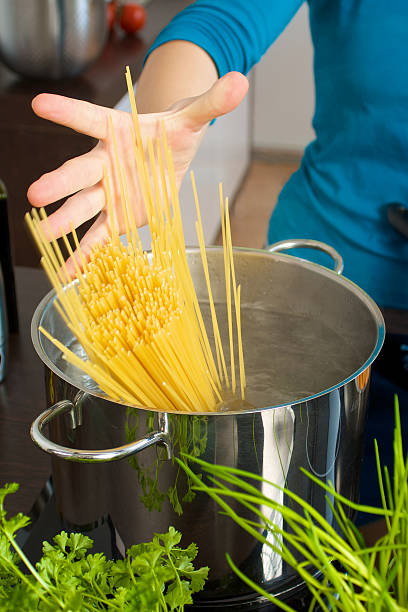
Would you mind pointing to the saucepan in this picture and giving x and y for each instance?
(310, 336)
(51, 39)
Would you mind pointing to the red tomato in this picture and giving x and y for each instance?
(132, 17)
(111, 11)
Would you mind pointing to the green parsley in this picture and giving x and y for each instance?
(157, 576)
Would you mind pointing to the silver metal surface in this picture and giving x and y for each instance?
(51, 38)
(296, 243)
(310, 337)
(93, 456)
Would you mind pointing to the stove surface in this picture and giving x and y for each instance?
(47, 522)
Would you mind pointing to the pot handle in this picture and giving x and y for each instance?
(94, 456)
(285, 245)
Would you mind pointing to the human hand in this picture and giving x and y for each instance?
(80, 179)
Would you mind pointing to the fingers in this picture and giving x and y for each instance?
(76, 210)
(97, 234)
(78, 115)
(221, 98)
(75, 174)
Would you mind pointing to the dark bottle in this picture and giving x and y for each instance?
(7, 263)
(3, 331)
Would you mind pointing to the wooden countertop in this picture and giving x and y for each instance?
(22, 398)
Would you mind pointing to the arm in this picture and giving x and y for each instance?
(180, 75)
(205, 41)
(183, 70)
(234, 33)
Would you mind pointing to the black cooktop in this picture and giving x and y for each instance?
(47, 522)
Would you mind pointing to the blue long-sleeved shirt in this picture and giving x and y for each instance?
(358, 162)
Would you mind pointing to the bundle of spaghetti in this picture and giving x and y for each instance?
(136, 314)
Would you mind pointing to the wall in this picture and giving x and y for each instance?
(283, 93)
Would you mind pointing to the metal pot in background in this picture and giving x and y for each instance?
(309, 335)
(51, 39)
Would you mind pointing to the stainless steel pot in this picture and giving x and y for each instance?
(51, 38)
(310, 336)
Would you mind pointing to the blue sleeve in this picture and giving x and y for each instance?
(235, 33)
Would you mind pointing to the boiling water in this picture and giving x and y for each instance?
(287, 357)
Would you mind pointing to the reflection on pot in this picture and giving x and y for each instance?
(148, 492)
(188, 436)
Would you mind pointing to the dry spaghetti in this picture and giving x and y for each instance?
(137, 315)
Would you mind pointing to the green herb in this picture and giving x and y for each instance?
(158, 576)
(355, 577)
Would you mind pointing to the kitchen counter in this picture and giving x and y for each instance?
(31, 146)
(22, 398)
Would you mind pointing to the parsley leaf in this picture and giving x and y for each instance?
(155, 576)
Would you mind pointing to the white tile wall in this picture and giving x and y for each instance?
(284, 90)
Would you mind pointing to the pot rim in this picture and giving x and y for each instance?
(368, 301)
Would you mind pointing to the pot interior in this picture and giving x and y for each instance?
(305, 329)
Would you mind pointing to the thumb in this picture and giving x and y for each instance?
(221, 98)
